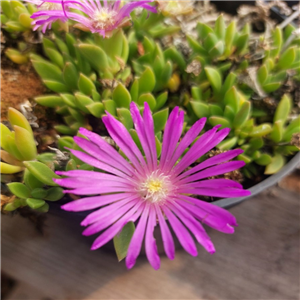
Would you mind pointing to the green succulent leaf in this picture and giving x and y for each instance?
(201, 109)
(262, 74)
(110, 106)
(214, 78)
(17, 118)
(49, 100)
(277, 134)
(160, 119)
(277, 42)
(124, 116)
(70, 75)
(96, 109)
(264, 159)
(41, 172)
(283, 109)
(54, 194)
(215, 120)
(161, 100)
(286, 59)
(232, 99)
(10, 207)
(229, 37)
(35, 203)
(86, 85)
(16, 56)
(149, 98)
(19, 189)
(25, 143)
(243, 115)
(4, 133)
(244, 158)
(121, 96)
(38, 193)
(276, 164)
(220, 27)
(271, 87)
(82, 101)
(69, 100)
(147, 81)
(9, 169)
(256, 143)
(122, 240)
(228, 143)
(95, 56)
(203, 30)
(261, 130)
(31, 181)
(43, 209)
(47, 70)
(134, 90)
(56, 86)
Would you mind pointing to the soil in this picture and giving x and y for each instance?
(18, 84)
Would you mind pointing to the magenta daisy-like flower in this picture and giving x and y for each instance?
(94, 15)
(48, 12)
(152, 190)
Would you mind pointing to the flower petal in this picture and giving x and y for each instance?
(182, 233)
(96, 163)
(194, 226)
(109, 234)
(88, 203)
(205, 143)
(214, 171)
(124, 140)
(166, 234)
(110, 218)
(107, 148)
(188, 139)
(172, 133)
(213, 220)
(135, 245)
(150, 242)
(107, 210)
(220, 158)
(140, 129)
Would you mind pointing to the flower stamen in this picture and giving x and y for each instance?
(155, 188)
(104, 19)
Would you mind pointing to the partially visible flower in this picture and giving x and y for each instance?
(175, 7)
(48, 12)
(150, 190)
(103, 18)
(93, 15)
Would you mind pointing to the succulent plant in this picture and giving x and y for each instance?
(19, 154)
(18, 145)
(15, 16)
(219, 43)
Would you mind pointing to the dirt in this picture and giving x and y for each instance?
(18, 84)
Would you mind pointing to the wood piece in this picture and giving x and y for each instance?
(259, 261)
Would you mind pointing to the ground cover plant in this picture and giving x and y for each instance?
(149, 99)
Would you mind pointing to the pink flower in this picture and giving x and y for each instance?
(155, 192)
(48, 12)
(103, 18)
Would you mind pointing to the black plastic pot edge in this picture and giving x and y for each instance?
(267, 183)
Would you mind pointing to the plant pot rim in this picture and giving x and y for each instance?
(266, 183)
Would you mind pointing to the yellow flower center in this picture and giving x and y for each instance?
(104, 18)
(155, 188)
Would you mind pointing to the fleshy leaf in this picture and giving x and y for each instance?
(122, 240)
(41, 172)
